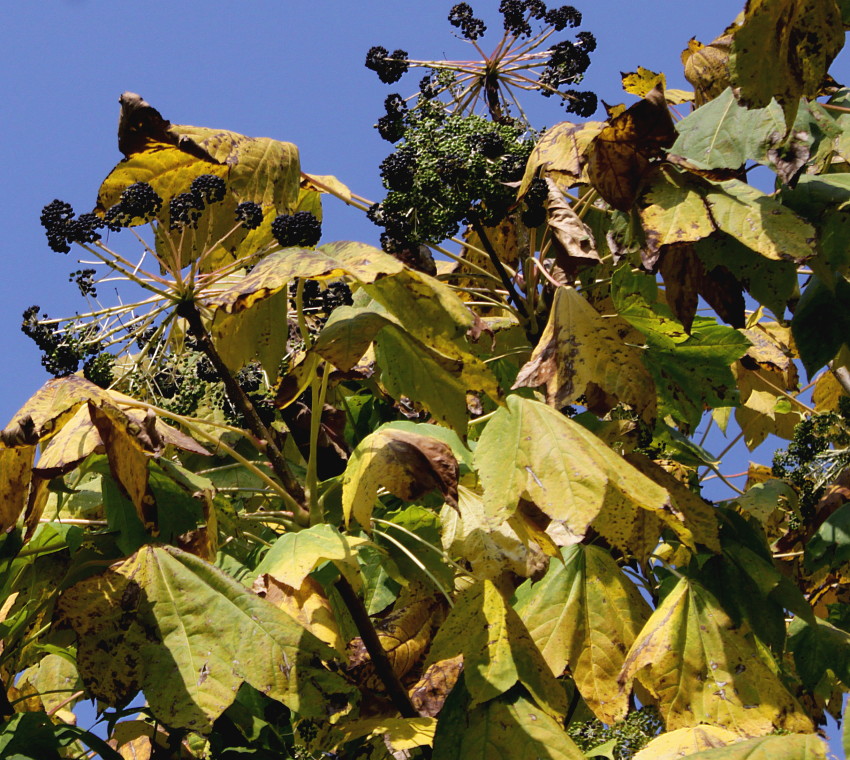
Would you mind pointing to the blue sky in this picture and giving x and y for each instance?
(285, 69)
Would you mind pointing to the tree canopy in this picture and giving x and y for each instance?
(290, 497)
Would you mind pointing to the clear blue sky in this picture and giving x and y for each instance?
(285, 69)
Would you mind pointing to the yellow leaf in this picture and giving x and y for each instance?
(15, 476)
(707, 67)
(561, 154)
(578, 349)
(683, 742)
(675, 212)
(702, 668)
(643, 80)
(399, 733)
(407, 464)
(585, 614)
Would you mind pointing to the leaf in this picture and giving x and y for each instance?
(585, 614)
(575, 245)
(707, 67)
(819, 647)
(821, 323)
(787, 747)
(254, 333)
(829, 547)
(503, 729)
(203, 643)
(293, 556)
(530, 449)
(397, 733)
(429, 693)
(760, 222)
(579, 349)
(348, 333)
(561, 154)
(674, 210)
(725, 135)
(15, 477)
(275, 271)
(703, 668)
(684, 742)
(619, 156)
(407, 464)
(800, 38)
(642, 81)
(438, 382)
(497, 650)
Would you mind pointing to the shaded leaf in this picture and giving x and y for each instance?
(821, 323)
(497, 650)
(707, 67)
(578, 348)
(407, 464)
(15, 478)
(703, 668)
(800, 38)
(619, 156)
(429, 693)
(348, 334)
(585, 614)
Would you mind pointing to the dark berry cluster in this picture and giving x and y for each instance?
(301, 228)
(391, 124)
(489, 144)
(61, 350)
(321, 301)
(99, 369)
(85, 281)
(517, 14)
(389, 68)
(398, 170)
(567, 64)
(250, 378)
(210, 188)
(57, 218)
(250, 214)
(138, 201)
(561, 18)
(205, 370)
(471, 28)
(581, 103)
(535, 197)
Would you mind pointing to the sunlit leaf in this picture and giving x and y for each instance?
(703, 668)
(684, 742)
(585, 614)
(787, 747)
(561, 154)
(707, 67)
(674, 210)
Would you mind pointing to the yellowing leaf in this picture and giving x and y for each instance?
(399, 733)
(561, 154)
(579, 349)
(507, 728)
(675, 212)
(190, 652)
(800, 39)
(684, 742)
(707, 67)
(15, 476)
(703, 668)
(295, 555)
(407, 464)
(760, 222)
(529, 448)
(348, 333)
(497, 650)
(788, 747)
(585, 614)
(642, 81)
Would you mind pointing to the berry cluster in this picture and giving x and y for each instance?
(61, 351)
(185, 209)
(299, 229)
(84, 279)
(250, 215)
(535, 197)
(471, 28)
(99, 369)
(391, 125)
(138, 201)
(566, 65)
(464, 161)
(517, 14)
(318, 299)
(389, 68)
(57, 218)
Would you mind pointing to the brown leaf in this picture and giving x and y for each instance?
(722, 291)
(574, 243)
(681, 270)
(430, 692)
(707, 67)
(789, 156)
(619, 156)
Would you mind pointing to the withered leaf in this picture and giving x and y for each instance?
(429, 692)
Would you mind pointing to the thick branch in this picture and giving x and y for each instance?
(189, 312)
(377, 653)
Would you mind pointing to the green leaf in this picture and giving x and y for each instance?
(703, 668)
(723, 134)
(295, 555)
(818, 647)
(190, 636)
(530, 450)
(497, 650)
(830, 546)
(770, 282)
(760, 221)
(348, 334)
(29, 736)
(506, 728)
(798, 39)
(585, 614)
(821, 323)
